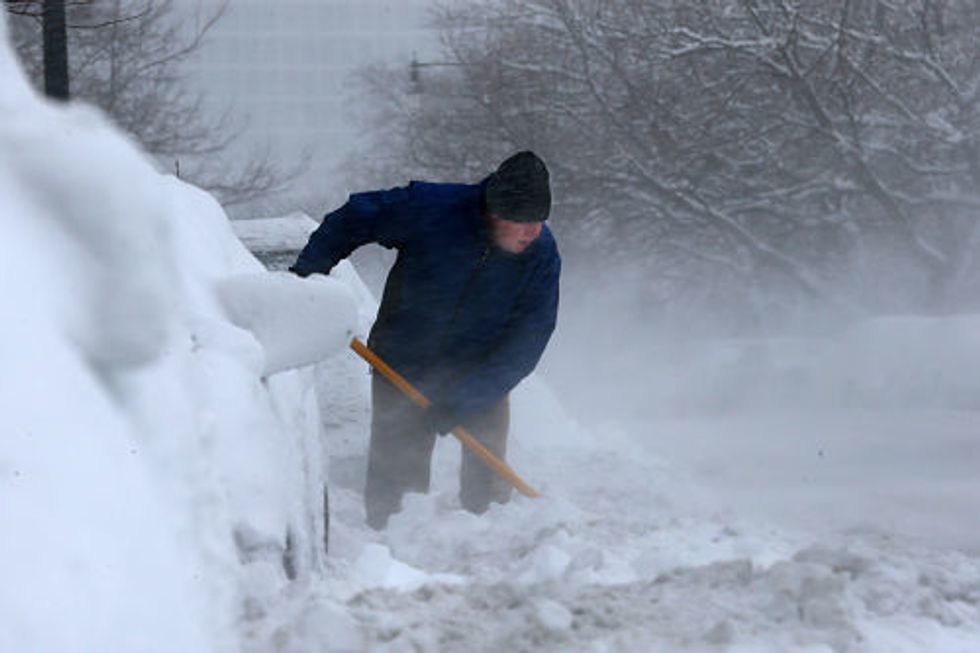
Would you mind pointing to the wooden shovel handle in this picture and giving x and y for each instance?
(496, 464)
(389, 373)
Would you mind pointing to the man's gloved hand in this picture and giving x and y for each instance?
(439, 420)
(299, 272)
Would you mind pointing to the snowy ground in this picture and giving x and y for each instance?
(657, 543)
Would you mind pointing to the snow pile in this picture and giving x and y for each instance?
(298, 323)
(140, 443)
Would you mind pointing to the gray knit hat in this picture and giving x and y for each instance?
(519, 190)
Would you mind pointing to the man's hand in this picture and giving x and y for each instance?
(439, 420)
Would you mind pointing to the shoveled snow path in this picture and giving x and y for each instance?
(620, 554)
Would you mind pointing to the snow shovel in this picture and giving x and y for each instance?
(496, 464)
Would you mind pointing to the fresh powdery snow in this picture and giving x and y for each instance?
(163, 461)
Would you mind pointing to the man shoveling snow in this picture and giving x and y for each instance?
(467, 311)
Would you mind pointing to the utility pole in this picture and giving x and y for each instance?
(55, 50)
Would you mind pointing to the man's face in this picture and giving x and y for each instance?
(513, 237)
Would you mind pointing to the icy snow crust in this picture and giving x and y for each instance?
(148, 473)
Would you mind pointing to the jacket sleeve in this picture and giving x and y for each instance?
(381, 217)
(516, 355)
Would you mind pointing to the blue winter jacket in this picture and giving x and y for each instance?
(461, 318)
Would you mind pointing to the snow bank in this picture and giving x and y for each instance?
(140, 443)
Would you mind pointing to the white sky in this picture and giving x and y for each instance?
(286, 65)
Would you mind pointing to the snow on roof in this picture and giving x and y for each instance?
(287, 233)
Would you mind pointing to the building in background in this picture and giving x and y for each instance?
(285, 68)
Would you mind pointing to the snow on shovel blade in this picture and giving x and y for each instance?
(297, 321)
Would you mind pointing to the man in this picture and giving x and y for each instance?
(468, 308)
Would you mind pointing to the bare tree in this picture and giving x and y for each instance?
(125, 58)
(764, 152)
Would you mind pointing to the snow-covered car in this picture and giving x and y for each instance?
(162, 461)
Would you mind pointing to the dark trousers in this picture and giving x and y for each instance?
(401, 453)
